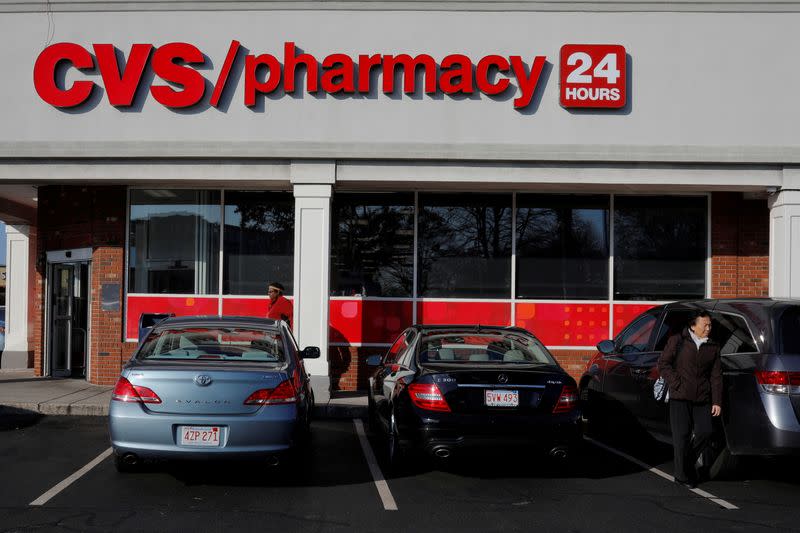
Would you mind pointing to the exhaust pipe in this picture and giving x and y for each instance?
(559, 452)
(130, 459)
(273, 460)
(442, 452)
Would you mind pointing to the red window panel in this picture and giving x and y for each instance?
(245, 307)
(624, 313)
(180, 305)
(368, 321)
(565, 323)
(475, 312)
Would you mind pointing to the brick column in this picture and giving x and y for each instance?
(739, 246)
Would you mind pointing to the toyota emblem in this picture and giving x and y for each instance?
(502, 378)
(203, 380)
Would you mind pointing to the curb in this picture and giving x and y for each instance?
(335, 411)
(54, 409)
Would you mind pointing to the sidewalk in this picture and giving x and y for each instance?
(20, 390)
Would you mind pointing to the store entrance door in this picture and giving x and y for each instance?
(69, 318)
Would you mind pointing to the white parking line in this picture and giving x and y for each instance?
(47, 496)
(375, 470)
(656, 471)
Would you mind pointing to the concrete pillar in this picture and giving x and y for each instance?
(784, 238)
(16, 352)
(313, 184)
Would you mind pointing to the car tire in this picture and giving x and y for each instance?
(724, 465)
(372, 417)
(394, 451)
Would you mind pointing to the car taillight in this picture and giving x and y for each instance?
(567, 400)
(428, 396)
(124, 391)
(778, 381)
(283, 393)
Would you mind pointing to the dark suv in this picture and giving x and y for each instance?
(760, 347)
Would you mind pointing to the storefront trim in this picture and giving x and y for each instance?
(258, 152)
(708, 6)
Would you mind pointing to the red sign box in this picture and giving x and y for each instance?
(593, 75)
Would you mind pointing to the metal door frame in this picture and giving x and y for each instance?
(73, 256)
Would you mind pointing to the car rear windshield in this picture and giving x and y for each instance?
(213, 344)
(470, 348)
(790, 330)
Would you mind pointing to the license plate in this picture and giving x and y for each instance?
(200, 435)
(502, 398)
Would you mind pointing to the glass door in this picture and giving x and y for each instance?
(69, 319)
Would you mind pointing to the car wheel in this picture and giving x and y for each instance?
(393, 452)
(724, 465)
(372, 417)
(591, 424)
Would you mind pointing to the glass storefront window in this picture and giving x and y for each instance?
(464, 245)
(660, 247)
(174, 241)
(372, 244)
(259, 241)
(562, 246)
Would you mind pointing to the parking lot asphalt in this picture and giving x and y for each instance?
(333, 489)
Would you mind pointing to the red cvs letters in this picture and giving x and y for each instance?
(177, 64)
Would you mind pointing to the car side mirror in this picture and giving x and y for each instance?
(310, 352)
(374, 360)
(606, 347)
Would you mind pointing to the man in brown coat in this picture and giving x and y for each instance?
(690, 364)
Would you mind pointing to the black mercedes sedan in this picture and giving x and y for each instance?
(759, 341)
(444, 389)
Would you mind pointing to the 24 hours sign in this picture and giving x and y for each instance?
(593, 76)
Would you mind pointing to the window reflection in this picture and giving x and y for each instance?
(562, 246)
(660, 247)
(259, 241)
(174, 241)
(372, 241)
(465, 245)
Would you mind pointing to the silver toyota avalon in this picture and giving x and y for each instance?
(212, 387)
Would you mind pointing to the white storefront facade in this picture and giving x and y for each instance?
(163, 144)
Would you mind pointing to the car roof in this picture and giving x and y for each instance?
(216, 321)
(766, 302)
(428, 329)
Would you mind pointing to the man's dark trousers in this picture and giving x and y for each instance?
(685, 417)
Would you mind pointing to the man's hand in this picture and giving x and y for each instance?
(716, 410)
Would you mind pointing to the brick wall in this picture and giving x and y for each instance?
(573, 361)
(348, 368)
(85, 217)
(35, 307)
(739, 246)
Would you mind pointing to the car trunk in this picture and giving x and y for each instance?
(227, 389)
(481, 389)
